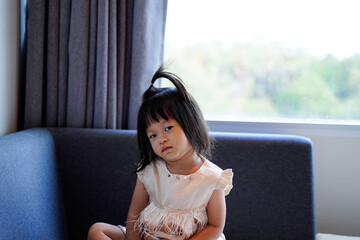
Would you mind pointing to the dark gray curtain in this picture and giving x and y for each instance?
(89, 61)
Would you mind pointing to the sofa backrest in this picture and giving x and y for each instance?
(30, 197)
(272, 196)
(96, 170)
(273, 185)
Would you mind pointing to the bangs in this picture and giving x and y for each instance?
(159, 106)
(153, 117)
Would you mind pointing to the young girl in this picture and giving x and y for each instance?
(179, 194)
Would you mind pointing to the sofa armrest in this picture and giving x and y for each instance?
(30, 198)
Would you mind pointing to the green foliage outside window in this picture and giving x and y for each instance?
(268, 81)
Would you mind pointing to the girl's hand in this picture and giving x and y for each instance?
(216, 212)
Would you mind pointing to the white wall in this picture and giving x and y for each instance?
(9, 64)
(336, 155)
(337, 184)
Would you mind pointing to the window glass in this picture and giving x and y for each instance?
(267, 59)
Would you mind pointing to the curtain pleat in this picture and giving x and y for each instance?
(89, 61)
(112, 84)
(78, 63)
(52, 57)
(35, 68)
(92, 64)
(64, 30)
(101, 79)
(121, 63)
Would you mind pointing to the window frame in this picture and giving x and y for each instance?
(307, 129)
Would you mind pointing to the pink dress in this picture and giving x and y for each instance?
(177, 205)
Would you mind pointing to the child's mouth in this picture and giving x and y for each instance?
(165, 149)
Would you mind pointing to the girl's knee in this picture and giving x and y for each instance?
(101, 230)
(95, 230)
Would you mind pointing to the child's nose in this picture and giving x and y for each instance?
(162, 139)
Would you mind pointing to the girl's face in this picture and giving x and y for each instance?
(168, 140)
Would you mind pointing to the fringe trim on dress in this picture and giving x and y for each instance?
(162, 222)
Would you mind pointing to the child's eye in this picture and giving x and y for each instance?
(168, 128)
(152, 136)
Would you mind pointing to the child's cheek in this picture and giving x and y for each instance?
(155, 148)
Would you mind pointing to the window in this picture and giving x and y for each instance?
(264, 59)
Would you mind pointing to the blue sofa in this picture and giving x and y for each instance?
(56, 182)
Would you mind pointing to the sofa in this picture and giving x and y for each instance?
(56, 182)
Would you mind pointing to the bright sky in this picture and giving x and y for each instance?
(319, 26)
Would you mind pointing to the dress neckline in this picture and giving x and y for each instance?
(163, 165)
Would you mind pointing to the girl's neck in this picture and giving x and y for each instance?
(186, 166)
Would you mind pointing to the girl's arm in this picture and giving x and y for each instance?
(139, 201)
(216, 212)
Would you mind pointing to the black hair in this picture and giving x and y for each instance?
(172, 102)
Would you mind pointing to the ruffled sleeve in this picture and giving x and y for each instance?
(141, 176)
(225, 181)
